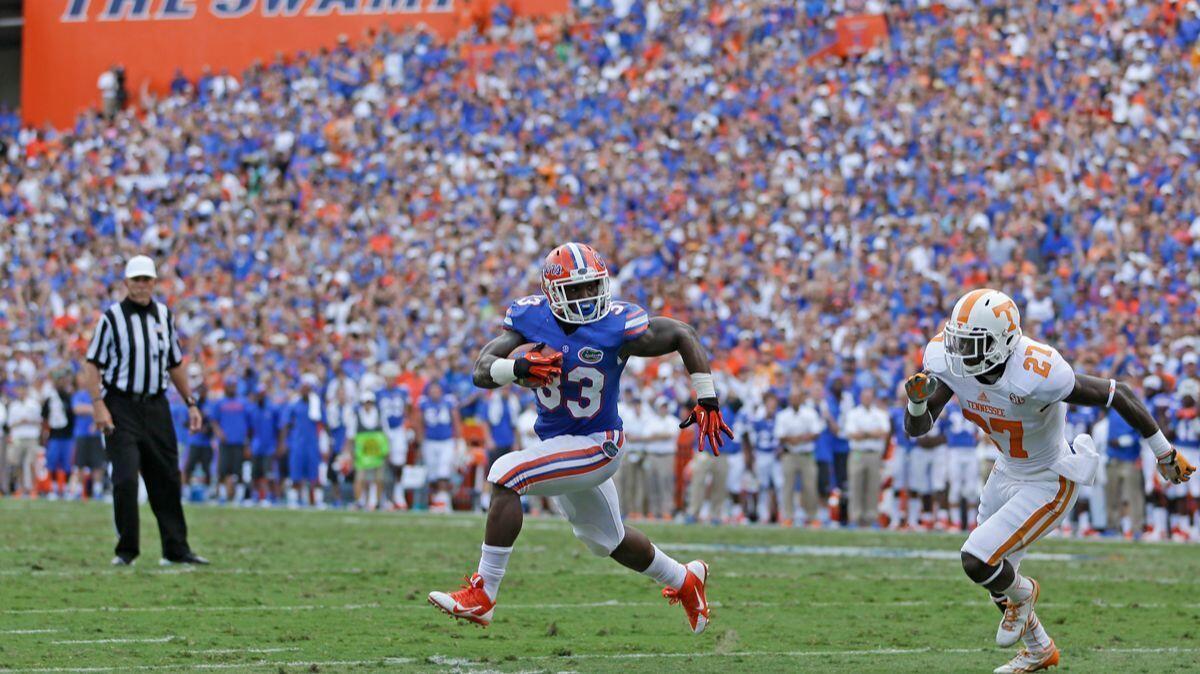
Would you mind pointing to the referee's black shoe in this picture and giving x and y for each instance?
(189, 558)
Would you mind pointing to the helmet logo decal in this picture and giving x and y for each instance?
(1007, 309)
(552, 269)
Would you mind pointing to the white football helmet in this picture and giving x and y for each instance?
(982, 332)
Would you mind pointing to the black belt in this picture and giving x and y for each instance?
(136, 397)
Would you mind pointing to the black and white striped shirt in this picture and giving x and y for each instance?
(135, 346)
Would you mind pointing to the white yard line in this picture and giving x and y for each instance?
(238, 651)
(257, 664)
(145, 640)
(30, 631)
(845, 551)
(615, 571)
(417, 605)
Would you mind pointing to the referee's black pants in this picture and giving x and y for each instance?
(144, 438)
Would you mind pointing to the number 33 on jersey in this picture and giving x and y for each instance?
(1022, 412)
(584, 399)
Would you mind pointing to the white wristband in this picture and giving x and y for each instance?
(917, 409)
(1112, 391)
(1159, 445)
(502, 371)
(702, 382)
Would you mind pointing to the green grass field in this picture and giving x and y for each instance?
(336, 591)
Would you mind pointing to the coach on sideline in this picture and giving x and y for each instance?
(134, 350)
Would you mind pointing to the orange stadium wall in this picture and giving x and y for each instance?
(68, 43)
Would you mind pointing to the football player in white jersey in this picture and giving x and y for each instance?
(1014, 388)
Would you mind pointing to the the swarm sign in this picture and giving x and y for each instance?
(69, 43)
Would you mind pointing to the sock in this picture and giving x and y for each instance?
(1176, 521)
(1036, 639)
(665, 570)
(1160, 519)
(492, 564)
(1085, 521)
(956, 517)
(1020, 590)
(998, 600)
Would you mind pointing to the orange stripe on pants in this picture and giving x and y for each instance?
(1047, 510)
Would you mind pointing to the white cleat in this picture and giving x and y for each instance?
(1030, 662)
(1016, 619)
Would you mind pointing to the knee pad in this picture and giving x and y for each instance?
(975, 568)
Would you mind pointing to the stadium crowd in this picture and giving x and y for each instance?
(331, 225)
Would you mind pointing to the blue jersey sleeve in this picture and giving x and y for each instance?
(636, 320)
(523, 314)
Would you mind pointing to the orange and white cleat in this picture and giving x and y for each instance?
(469, 603)
(1028, 661)
(1018, 618)
(691, 595)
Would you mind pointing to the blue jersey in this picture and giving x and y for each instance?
(1079, 420)
(1124, 442)
(902, 440)
(762, 432)
(85, 424)
(302, 429)
(439, 422)
(232, 416)
(265, 423)
(584, 399)
(958, 431)
(501, 412)
(733, 446)
(393, 405)
(1187, 429)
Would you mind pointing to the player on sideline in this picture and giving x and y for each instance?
(1013, 388)
(590, 338)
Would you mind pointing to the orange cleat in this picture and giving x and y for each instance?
(691, 595)
(469, 603)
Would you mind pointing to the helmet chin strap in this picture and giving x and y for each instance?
(992, 374)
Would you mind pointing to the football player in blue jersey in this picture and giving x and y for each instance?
(587, 338)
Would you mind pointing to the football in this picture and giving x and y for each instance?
(521, 351)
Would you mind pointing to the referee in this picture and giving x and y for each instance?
(134, 350)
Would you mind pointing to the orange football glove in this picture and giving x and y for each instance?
(1175, 468)
(920, 387)
(707, 416)
(537, 367)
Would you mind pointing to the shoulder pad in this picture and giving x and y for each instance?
(522, 308)
(934, 358)
(633, 319)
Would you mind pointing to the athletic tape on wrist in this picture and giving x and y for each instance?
(702, 383)
(1112, 391)
(917, 409)
(1159, 445)
(502, 371)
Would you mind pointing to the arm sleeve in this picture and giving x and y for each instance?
(99, 348)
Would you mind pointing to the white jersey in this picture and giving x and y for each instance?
(1023, 412)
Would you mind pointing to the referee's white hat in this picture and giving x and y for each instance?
(140, 265)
